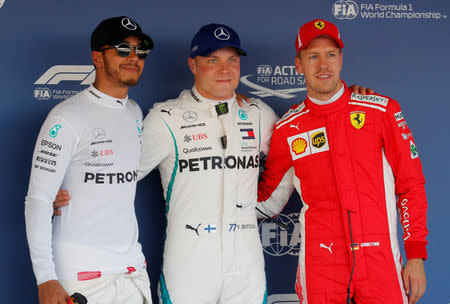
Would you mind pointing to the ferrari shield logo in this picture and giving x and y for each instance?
(319, 24)
(357, 119)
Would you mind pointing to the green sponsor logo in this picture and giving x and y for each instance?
(54, 131)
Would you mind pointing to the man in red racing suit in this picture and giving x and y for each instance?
(354, 162)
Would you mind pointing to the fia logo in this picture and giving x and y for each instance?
(42, 93)
(277, 240)
(345, 9)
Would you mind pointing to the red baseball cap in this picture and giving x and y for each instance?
(316, 28)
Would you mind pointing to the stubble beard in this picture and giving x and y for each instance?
(116, 75)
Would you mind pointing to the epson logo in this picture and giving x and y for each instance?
(110, 178)
(51, 145)
(57, 73)
(218, 162)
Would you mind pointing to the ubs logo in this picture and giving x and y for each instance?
(318, 139)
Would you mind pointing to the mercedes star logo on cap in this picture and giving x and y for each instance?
(129, 24)
(222, 34)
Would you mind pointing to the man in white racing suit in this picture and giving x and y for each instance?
(208, 152)
(90, 145)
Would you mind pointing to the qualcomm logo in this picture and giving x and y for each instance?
(57, 73)
(278, 241)
(279, 81)
(291, 298)
(345, 9)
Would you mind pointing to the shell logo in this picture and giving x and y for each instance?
(299, 146)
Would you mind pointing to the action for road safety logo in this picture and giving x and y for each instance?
(307, 143)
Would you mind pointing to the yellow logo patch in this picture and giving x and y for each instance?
(318, 139)
(299, 146)
(319, 24)
(357, 119)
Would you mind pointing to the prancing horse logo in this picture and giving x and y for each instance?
(357, 119)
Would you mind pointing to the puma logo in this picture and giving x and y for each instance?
(327, 247)
(189, 227)
(295, 126)
(168, 112)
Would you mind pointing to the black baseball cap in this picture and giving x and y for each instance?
(112, 31)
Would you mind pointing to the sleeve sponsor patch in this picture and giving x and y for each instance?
(293, 111)
(398, 116)
(374, 99)
(414, 153)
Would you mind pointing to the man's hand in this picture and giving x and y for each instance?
(62, 199)
(414, 280)
(51, 292)
(361, 90)
(240, 99)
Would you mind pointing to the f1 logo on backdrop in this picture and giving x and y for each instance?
(57, 73)
(59, 80)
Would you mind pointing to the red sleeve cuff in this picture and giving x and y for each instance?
(416, 251)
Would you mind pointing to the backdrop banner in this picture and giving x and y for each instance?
(398, 48)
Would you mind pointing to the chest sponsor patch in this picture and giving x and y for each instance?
(308, 143)
(357, 119)
(247, 133)
(378, 100)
